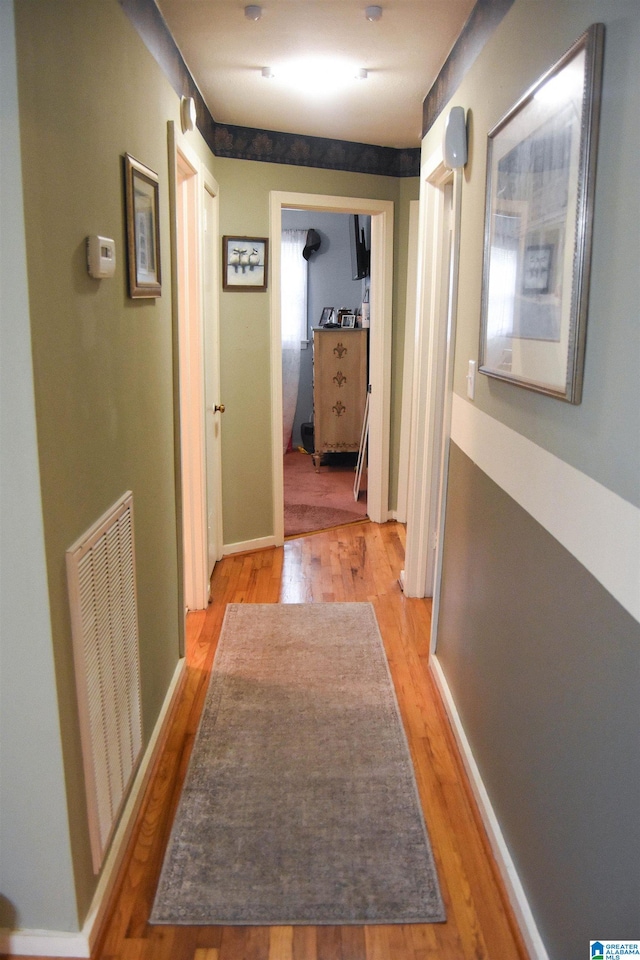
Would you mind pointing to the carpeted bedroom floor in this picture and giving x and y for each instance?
(316, 501)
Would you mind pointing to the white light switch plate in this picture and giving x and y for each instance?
(471, 379)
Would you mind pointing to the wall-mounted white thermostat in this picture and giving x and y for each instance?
(101, 257)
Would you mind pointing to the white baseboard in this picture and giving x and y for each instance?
(244, 545)
(514, 888)
(54, 943)
(44, 943)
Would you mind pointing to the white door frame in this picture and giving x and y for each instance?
(191, 371)
(432, 378)
(404, 455)
(195, 304)
(381, 293)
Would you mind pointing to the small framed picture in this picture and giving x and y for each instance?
(348, 320)
(143, 231)
(536, 268)
(244, 263)
(326, 316)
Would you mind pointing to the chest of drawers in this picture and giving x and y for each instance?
(339, 389)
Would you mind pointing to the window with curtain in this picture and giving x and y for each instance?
(294, 323)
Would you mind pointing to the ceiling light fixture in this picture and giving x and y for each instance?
(253, 11)
(315, 76)
(373, 13)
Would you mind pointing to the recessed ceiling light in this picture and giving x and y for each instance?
(373, 12)
(253, 11)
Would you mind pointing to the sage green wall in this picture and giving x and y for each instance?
(526, 636)
(245, 186)
(32, 795)
(103, 363)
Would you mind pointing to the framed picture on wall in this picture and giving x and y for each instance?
(143, 230)
(244, 263)
(538, 227)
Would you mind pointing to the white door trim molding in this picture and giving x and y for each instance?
(381, 213)
(408, 363)
(191, 374)
(431, 407)
(211, 316)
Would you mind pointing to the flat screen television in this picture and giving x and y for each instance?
(359, 251)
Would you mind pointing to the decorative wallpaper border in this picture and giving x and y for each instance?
(248, 143)
(482, 21)
(270, 146)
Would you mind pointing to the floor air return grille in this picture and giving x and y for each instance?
(104, 621)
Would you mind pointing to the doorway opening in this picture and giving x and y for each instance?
(379, 341)
(325, 287)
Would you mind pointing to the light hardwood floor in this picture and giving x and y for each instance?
(359, 562)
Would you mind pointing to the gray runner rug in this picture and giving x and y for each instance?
(300, 804)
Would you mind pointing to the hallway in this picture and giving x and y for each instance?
(357, 563)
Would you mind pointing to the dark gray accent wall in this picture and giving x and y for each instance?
(544, 667)
(330, 285)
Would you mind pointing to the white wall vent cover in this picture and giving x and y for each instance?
(104, 623)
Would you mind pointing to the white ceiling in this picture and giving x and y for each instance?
(402, 52)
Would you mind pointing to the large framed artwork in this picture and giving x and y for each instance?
(143, 229)
(541, 163)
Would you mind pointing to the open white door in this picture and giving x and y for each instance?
(199, 504)
(214, 409)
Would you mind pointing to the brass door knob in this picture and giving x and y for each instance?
(220, 407)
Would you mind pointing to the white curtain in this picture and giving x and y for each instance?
(294, 323)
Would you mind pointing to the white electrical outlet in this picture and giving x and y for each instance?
(471, 379)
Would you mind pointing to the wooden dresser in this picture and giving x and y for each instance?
(339, 389)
